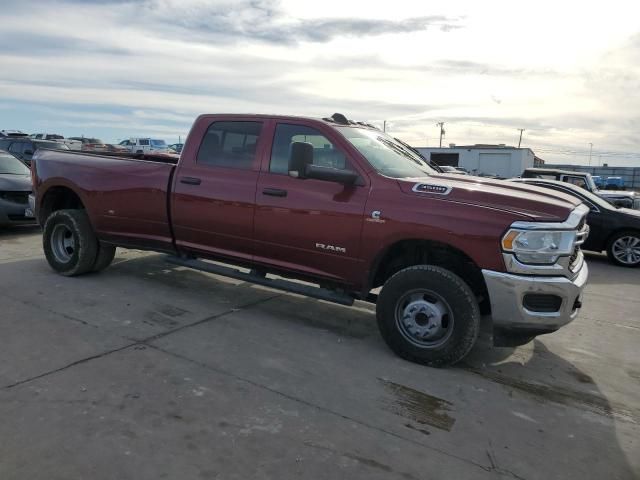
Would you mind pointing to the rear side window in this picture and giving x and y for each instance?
(143, 142)
(325, 154)
(230, 145)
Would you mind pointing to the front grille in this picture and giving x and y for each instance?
(21, 198)
(574, 256)
(543, 303)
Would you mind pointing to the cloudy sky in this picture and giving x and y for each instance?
(568, 72)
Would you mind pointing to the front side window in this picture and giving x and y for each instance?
(325, 154)
(158, 143)
(230, 145)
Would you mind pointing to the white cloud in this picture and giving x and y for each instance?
(568, 72)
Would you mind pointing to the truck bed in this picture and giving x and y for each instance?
(125, 196)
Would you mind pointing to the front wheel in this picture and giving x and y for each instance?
(429, 315)
(69, 243)
(624, 249)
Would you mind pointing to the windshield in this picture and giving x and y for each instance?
(158, 143)
(9, 165)
(385, 154)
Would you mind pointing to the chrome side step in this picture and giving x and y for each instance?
(261, 279)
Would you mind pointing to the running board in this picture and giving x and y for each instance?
(261, 279)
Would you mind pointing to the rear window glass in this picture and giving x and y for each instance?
(230, 145)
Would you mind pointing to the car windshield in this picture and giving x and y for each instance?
(10, 165)
(385, 154)
(158, 143)
(51, 145)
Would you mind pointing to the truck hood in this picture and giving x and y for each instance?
(534, 203)
(15, 183)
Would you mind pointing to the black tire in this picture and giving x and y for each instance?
(612, 250)
(448, 290)
(105, 256)
(69, 243)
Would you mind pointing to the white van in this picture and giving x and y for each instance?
(144, 145)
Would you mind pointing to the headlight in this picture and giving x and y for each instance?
(539, 246)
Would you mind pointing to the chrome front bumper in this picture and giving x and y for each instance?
(507, 296)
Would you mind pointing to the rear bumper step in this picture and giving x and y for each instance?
(261, 279)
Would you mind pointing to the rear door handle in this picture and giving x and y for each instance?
(275, 192)
(190, 180)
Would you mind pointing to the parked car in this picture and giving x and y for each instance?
(598, 180)
(144, 145)
(614, 183)
(338, 204)
(91, 144)
(615, 230)
(15, 187)
(72, 144)
(176, 147)
(12, 133)
(453, 170)
(23, 148)
(585, 180)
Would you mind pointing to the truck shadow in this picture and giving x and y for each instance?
(18, 230)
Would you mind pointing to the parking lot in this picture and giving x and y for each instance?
(152, 371)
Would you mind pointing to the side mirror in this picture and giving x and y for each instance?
(329, 174)
(300, 158)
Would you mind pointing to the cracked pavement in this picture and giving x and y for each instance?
(150, 370)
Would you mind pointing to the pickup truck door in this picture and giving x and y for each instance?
(311, 227)
(213, 199)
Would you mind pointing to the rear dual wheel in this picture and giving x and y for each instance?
(427, 314)
(71, 247)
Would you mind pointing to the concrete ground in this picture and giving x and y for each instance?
(152, 371)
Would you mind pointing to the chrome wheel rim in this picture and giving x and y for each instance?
(627, 250)
(63, 243)
(424, 318)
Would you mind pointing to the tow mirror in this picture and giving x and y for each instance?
(300, 158)
(330, 174)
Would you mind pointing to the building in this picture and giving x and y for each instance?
(490, 160)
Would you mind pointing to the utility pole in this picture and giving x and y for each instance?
(442, 132)
(384, 125)
(520, 141)
(590, 152)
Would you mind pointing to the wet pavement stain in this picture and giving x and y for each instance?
(417, 406)
(565, 396)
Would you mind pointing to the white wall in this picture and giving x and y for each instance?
(504, 162)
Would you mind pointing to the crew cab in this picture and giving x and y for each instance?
(343, 207)
(584, 180)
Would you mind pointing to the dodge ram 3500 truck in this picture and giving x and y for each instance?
(337, 204)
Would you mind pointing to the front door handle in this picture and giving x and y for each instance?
(275, 192)
(190, 180)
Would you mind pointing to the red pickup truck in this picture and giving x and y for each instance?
(338, 204)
